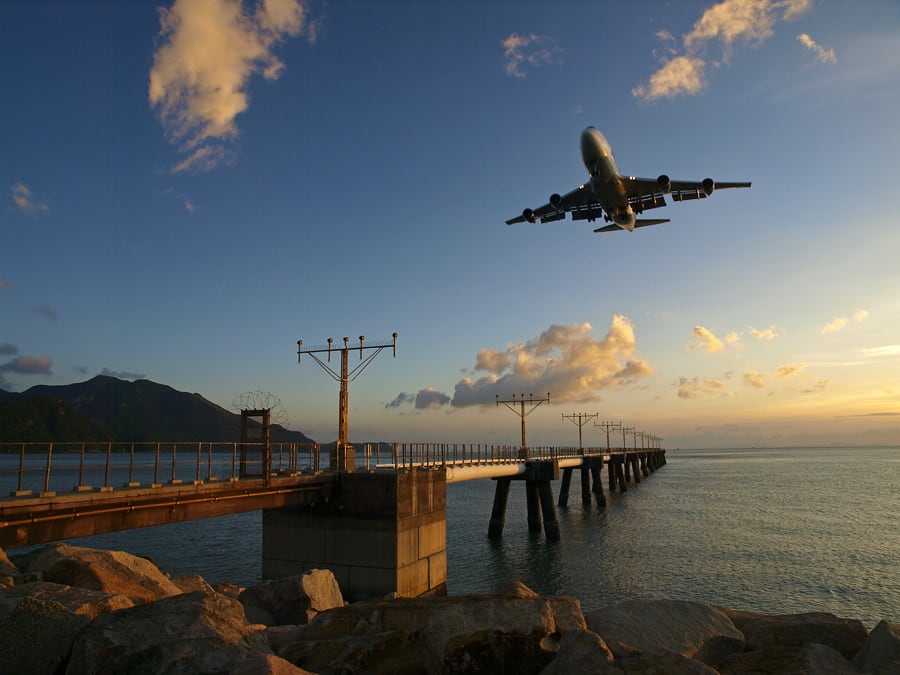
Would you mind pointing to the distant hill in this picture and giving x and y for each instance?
(122, 411)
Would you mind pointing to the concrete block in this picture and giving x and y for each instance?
(368, 582)
(432, 538)
(412, 580)
(370, 548)
(437, 570)
(408, 546)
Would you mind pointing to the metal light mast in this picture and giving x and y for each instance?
(533, 402)
(580, 419)
(609, 426)
(343, 459)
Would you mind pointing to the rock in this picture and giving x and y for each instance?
(268, 664)
(80, 601)
(187, 633)
(191, 583)
(37, 637)
(691, 629)
(518, 589)
(663, 662)
(7, 569)
(579, 651)
(880, 652)
(292, 600)
(816, 658)
(231, 590)
(109, 571)
(485, 633)
(762, 631)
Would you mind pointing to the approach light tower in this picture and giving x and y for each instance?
(533, 402)
(343, 459)
(581, 419)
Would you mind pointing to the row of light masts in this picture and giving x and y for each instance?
(648, 441)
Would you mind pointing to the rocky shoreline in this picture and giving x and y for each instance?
(73, 610)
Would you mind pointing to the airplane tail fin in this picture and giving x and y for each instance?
(638, 223)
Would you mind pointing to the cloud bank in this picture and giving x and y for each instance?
(531, 50)
(210, 51)
(727, 23)
(565, 361)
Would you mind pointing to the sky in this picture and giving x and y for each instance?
(188, 188)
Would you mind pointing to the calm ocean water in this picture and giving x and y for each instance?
(768, 530)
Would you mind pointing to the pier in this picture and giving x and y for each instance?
(380, 528)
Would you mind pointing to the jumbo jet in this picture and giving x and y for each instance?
(616, 198)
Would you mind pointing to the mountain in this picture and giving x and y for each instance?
(128, 411)
(43, 419)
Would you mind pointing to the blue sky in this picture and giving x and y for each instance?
(191, 187)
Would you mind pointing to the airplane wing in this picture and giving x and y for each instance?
(579, 201)
(644, 189)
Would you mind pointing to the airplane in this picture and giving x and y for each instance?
(615, 197)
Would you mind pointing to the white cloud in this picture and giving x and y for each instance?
(565, 361)
(754, 378)
(210, 50)
(25, 200)
(531, 50)
(705, 339)
(822, 54)
(727, 23)
(765, 334)
(698, 388)
(839, 323)
(789, 369)
(122, 374)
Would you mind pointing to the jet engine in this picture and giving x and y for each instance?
(708, 185)
(555, 200)
(528, 215)
(664, 184)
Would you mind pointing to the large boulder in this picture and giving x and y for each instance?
(880, 652)
(189, 633)
(80, 601)
(692, 629)
(7, 569)
(292, 600)
(579, 651)
(37, 636)
(475, 634)
(794, 630)
(109, 571)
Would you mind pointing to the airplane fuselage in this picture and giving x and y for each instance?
(600, 163)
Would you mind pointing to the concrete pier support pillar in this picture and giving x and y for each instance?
(564, 487)
(635, 470)
(585, 486)
(611, 470)
(627, 467)
(551, 524)
(620, 475)
(378, 533)
(644, 465)
(498, 513)
(533, 499)
(596, 473)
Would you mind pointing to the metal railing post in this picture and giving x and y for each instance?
(47, 471)
(21, 468)
(156, 467)
(108, 458)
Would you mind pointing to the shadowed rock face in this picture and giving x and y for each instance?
(292, 600)
(845, 636)
(880, 652)
(466, 634)
(692, 629)
(37, 636)
(188, 633)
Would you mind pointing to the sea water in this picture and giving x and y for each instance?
(766, 530)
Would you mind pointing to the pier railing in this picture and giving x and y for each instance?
(43, 469)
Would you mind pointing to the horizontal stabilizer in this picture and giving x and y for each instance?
(638, 223)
